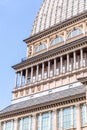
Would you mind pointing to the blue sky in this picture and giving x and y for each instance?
(16, 20)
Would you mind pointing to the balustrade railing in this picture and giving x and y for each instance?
(78, 65)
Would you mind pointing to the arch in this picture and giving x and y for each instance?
(57, 40)
(40, 47)
(74, 33)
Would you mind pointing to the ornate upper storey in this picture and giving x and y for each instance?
(53, 12)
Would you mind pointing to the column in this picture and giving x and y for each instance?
(81, 56)
(48, 69)
(65, 36)
(67, 62)
(54, 66)
(61, 64)
(84, 28)
(32, 49)
(48, 41)
(55, 120)
(31, 74)
(4, 126)
(34, 122)
(21, 78)
(72, 117)
(15, 124)
(42, 70)
(74, 59)
(37, 72)
(78, 117)
(16, 79)
(26, 76)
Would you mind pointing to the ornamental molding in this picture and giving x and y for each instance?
(56, 28)
(49, 80)
(51, 54)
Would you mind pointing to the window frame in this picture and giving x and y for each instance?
(72, 33)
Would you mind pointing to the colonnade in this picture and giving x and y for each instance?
(34, 71)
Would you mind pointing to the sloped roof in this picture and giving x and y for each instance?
(45, 99)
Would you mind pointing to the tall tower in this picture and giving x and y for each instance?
(50, 91)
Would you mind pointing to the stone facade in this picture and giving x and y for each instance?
(50, 90)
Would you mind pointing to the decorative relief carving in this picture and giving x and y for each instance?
(30, 50)
(21, 93)
(27, 91)
(33, 90)
(39, 88)
(16, 95)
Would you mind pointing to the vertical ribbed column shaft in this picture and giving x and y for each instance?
(31, 74)
(78, 117)
(61, 64)
(42, 70)
(67, 62)
(48, 69)
(26, 76)
(54, 66)
(81, 56)
(21, 78)
(74, 60)
(37, 72)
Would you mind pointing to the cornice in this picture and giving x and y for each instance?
(52, 104)
(53, 52)
(56, 27)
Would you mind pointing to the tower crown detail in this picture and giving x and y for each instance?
(53, 12)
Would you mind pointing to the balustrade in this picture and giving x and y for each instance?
(55, 67)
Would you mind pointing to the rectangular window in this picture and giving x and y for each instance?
(25, 123)
(7, 125)
(67, 118)
(45, 121)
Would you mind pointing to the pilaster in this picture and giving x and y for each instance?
(55, 120)
(34, 121)
(78, 117)
(15, 124)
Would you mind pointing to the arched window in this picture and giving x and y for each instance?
(40, 47)
(57, 40)
(75, 33)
